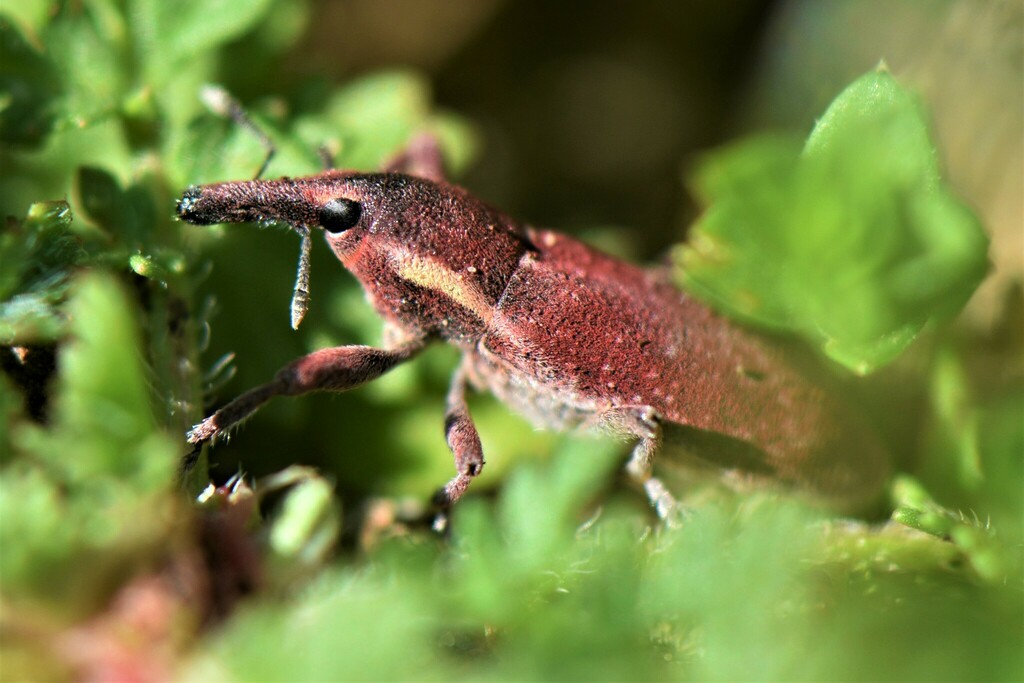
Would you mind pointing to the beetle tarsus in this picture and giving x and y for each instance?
(668, 508)
(221, 422)
(202, 432)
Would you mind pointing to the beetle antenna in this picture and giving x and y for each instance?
(300, 298)
(220, 102)
(326, 157)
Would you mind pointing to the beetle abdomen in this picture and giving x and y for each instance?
(593, 333)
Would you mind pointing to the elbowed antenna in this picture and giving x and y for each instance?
(300, 297)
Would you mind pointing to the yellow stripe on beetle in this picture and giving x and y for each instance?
(457, 287)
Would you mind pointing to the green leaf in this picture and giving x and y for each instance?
(167, 34)
(128, 214)
(373, 117)
(990, 558)
(213, 149)
(87, 44)
(973, 443)
(28, 89)
(10, 411)
(746, 188)
(97, 486)
(876, 111)
(854, 242)
(361, 628)
(307, 524)
(37, 256)
(363, 123)
(103, 413)
(30, 14)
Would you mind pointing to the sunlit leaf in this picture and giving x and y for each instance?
(854, 242)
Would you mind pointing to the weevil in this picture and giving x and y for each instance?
(561, 332)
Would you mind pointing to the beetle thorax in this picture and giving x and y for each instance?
(436, 260)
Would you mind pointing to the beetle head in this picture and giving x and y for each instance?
(432, 258)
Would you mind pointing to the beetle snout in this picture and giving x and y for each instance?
(190, 207)
(225, 203)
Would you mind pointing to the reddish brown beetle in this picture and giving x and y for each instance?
(561, 332)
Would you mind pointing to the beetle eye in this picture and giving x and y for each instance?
(338, 215)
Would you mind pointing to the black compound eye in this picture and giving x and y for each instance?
(338, 215)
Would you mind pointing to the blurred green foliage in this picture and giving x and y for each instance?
(112, 346)
(852, 241)
(749, 589)
(95, 486)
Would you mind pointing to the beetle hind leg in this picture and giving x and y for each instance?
(640, 470)
(644, 423)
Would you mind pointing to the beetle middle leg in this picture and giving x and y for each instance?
(335, 369)
(463, 441)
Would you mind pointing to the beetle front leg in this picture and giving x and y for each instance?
(463, 441)
(335, 369)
